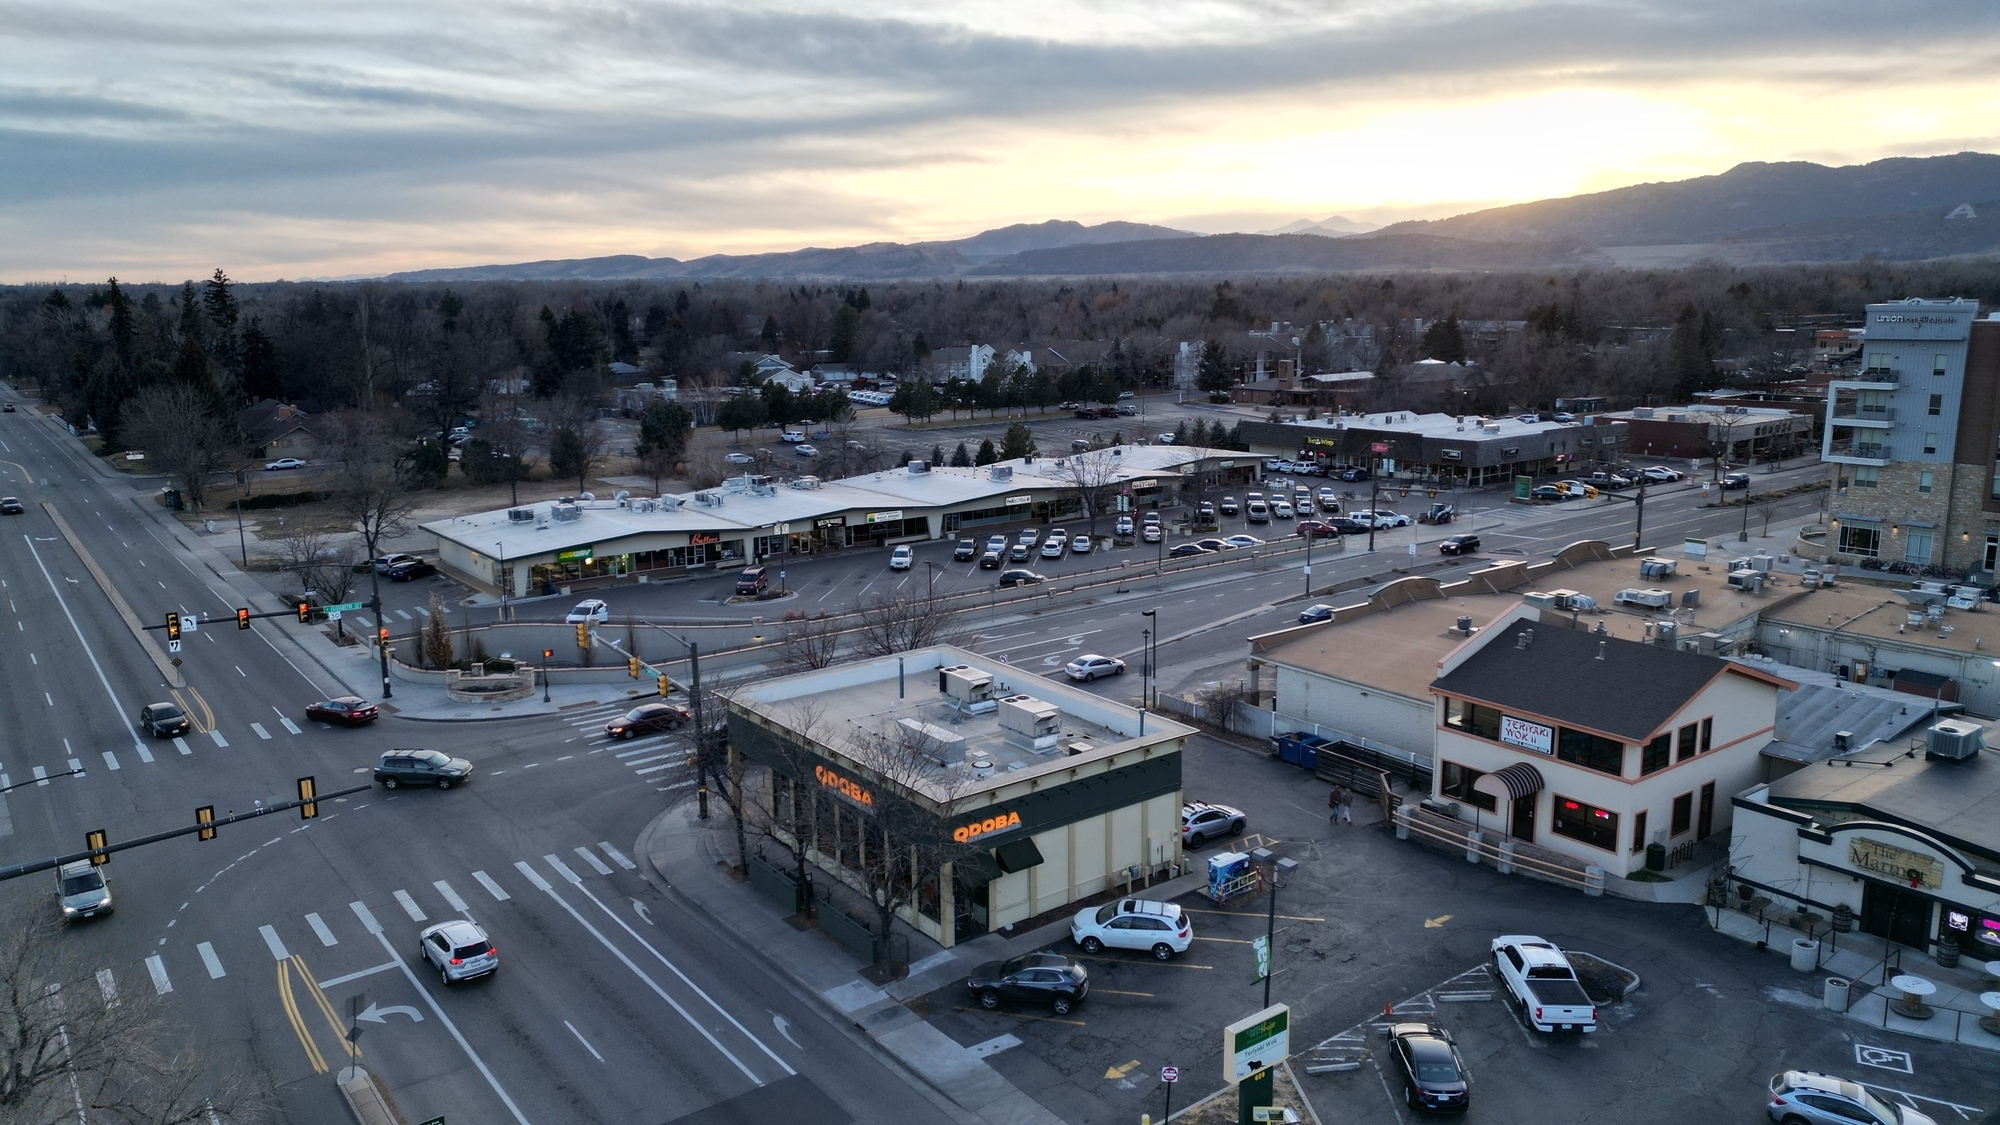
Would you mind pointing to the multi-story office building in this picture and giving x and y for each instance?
(1911, 438)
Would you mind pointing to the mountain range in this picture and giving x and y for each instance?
(1899, 209)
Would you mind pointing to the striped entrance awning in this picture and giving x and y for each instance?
(1513, 782)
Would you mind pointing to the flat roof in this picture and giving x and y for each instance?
(1436, 425)
(847, 708)
(1864, 610)
(1950, 799)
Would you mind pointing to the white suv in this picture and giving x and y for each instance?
(900, 558)
(1160, 928)
(459, 950)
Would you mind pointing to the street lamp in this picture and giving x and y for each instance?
(502, 575)
(1276, 871)
(1151, 648)
(930, 578)
(548, 654)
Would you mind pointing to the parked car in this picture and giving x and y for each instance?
(1805, 1097)
(1257, 511)
(901, 558)
(1462, 544)
(1302, 504)
(1734, 481)
(1348, 525)
(1541, 981)
(1316, 529)
(1202, 821)
(1123, 528)
(793, 436)
(996, 543)
(1164, 439)
(345, 710)
(11, 506)
(1545, 492)
(1019, 578)
(1019, 552)
(1230, 506)
(1080, 545)
(1152, 533)
(593, 611)
(459, 950)
(1028, 537)
(1329, 500)
(1090, 666)
(8, 408)
(410, 571)
(1282, 509)
(739, 458)
(1660, 474)
(1206, 512)
(991, 560)
(1353, 473)
(1054, 546)
(1032, 978)
(1313, 613)
(648, 718)
(386, 562)
(283, 463)
(164, 720)
(754, 580)
(966, 551)
(1160, 928)
(1188, 550)
(421, 767)
(1427, 1059)
(806, 450)
(1128, 409)
(81, 891)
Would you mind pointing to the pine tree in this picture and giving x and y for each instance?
(1213, 374)
(987, 454)
(260, 364)
(1017, 442)
(121, 323)
(1444, 341)
(961, 458)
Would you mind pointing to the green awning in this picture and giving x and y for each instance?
(1017, 855)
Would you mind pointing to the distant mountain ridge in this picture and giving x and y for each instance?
(1900, 208)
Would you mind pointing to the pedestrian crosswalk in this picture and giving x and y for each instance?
(315, 931)
(664, 761)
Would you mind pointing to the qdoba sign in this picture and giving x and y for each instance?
(998, 822)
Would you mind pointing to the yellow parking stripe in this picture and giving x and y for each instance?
(298, 1024)
(1116, 992)
(1249, 914)
(1130, 961)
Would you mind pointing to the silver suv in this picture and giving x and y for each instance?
(1804, 1097)
(458, 950)
(81, 892)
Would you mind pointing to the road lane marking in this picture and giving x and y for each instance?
(216, 735)
(534, 876)
(274, 944)
(108, 986)
(638, 750)
(404, 614)
(654, 758)
(289, 725)
(589, 857)
(291, 1006)
(617, 856)
(76, 765)
(582, 1040)
(208, 958)
(50, 698)
(110, 760)
(367, 920)
(145, 755)
(358, 974)
(654, 769)
(410, 906)
(492, 888)
(562, 868)
(162, 984)
(261, 732)
(451, 896)
(41, 776)
(444, 1019)
(319, 928)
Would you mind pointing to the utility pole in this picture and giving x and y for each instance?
(700, 728)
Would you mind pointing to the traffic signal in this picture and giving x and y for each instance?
(382, 635)
(205, 816)
(242, 619)
(666, 686)
(307, 791)
(305, 613)
(97, 840)
(632, 666)
(173, 626)
(548, 654)
(582, 635)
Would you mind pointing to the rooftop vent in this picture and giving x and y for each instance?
(520, 515)
(946, 747)
(566, 513)
(807, 483)
(1001, 472)
(1954, 740)
(919, 468)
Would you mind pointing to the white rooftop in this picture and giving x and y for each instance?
(1435, 425)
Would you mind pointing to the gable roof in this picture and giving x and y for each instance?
(266, 421)
(1631, 693)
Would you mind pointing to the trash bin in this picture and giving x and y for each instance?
(1947, 953)
(1656, 857)
(1805, 954)
(1835, 996)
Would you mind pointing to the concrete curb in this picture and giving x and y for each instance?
(365, 1100)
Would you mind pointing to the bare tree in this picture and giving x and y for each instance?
(372, 493)
(69, 1047)
(183, 433)
(887, 624)
(904, 839)
(790, 815)
(812, 640)
(320, 558)
(1092, 477)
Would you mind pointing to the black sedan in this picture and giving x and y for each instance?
(1188, 551)
(1315, 613)
(1459, 545)
(1348, 525)
(347, 710)
(1547, 492)
(1019, 578)
(1735, 481)
(1033, 978)
(164, 720)
(647, 718)
(966, 551)
(414, 568)
(1353, 474)
(1433, 1074)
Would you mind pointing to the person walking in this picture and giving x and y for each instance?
(1346, 809)
(1333, 806)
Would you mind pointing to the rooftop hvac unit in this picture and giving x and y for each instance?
(1001, 472)
(1539, 599)
(708, 499)
(946, 747)
(1642, 412)
(965, 683)
(566, 513)
(1075, 748)
(667, 503)
(520, 515)
(1656, 568)
(1748, 581)
(640, 505)
(1666, 633)
(919, 468)
(1030, 722)
(1954, 740)
(806, 482)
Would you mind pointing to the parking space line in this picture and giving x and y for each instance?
(1229, 940)
(1020, 1015)
(1130, 961)
(1119, 992)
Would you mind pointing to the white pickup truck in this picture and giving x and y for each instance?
(1543, 983)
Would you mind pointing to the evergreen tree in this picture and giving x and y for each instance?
(1213, 374)
(781, 407)
(121, 323)
(1692, 349)
(1017, 442)
(961, 458)
(846, 333)
(260, 364)
(1181, 433)
(1444, 341)
(664, 428)
(987, 454)
(770, 333)
(1197, 436)
(190, 300)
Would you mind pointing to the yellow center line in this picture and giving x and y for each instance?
(1022, 1015)
(291, 1007)
(325, 1007)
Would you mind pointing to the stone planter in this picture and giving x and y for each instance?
(469, 687)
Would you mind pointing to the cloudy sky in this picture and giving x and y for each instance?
(159, 140)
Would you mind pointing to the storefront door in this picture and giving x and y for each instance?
(1893, 913)
(1704, 823)
(1523, 824)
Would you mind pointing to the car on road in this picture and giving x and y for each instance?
(421, 767)
(458, 950)
(966, 551)
(1353, 473)
(1243, 541)
(991, 560)
(1213, 544)
(283, 463)
(590, 611)
(344, 710)
(1020, 578)
(1152, 533)
(1202, 821)
(383, 564)
(1734, 481)
(1164, 439)
(996, 542)
(164, 720)
(1427, 1059)
(1316, 529)
(1089, 666)
(1313, 613)
(1188, 551)
(1019, 552)
(410, 571)
(1128, 410)
(1054, 546)
(1080, 545)
(1159, 928)
(648, 718)
(901, 558)
(11, 506)
(1461, 544)
(7, 409)
(1545, 492)
(739, 458)
(1381, 518)
(81, 891)
(806, 450)
(1805, 1097)
(1048, 979)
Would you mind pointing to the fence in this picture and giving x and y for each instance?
(1509, 857)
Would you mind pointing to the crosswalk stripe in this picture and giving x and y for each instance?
(617, 856)
(5, 781)
(588, 857)
(651, 745)
(492, 888)
(110, 760)
(656, 758)
(319, 928)
(108, 986)
(289, 725)
(367, 920)
(410, 906)
(533, 875)
(261, 732)
(181, 744)
(422, 612)
(162, 984)
(654, 769)
(451, 896)
(404, 614)
(41, 776)
(208, 958)
(76, 765)
(145, 755)
(562, 868)
(219, 740)
(274, 944)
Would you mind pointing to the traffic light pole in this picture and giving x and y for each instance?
(381, 628)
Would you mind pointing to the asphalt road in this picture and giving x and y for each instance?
(613, 1002)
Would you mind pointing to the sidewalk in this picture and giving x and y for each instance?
(696, 853)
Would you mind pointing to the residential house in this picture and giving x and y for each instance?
(278, 429)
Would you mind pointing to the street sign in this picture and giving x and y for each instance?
(173, 646)
(1170, 1074)
(343, 607)
(189, 623)
(333, 614)
(1260, 947)
(1255, 1042)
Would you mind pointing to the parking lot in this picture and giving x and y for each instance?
(1369, 921)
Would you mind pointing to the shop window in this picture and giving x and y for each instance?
(1657, 755)
(1683, 814)
(1707, 735)
(1686, 748)
(1591, 751)
(1456, 781)
(1917, 545)
(1472, 718)
(1940, 363)
(1864, 539)
(1588, 823)
(1639, 831)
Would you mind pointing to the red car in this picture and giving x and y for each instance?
(648, 718)
(347, 710)
(1315, 529)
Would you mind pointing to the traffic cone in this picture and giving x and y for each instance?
(1388, 1008)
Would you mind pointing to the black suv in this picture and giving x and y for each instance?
(1433, 1074)
(164, 720)
(409, 569)
(1462, 544)
(1036, 978)
(421, 767)
(966, 551)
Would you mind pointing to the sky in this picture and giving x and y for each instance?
(158, 141)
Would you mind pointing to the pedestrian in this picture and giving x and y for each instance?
(1333, 806)
(1346, 807)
